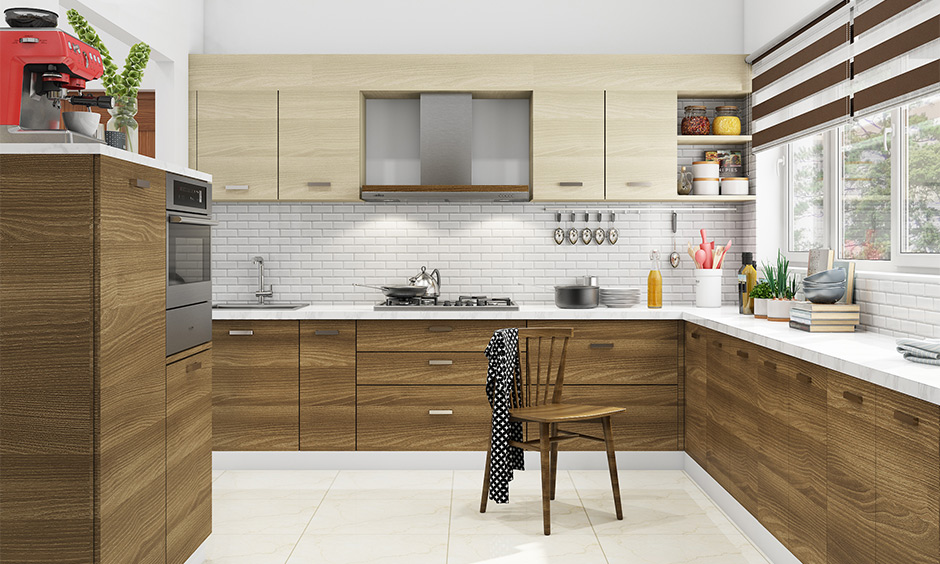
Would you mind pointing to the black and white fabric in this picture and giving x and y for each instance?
(503, 374)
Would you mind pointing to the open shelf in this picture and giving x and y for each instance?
(713, 139)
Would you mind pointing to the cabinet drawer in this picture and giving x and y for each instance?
(400, 418)
(446, 335)
(620, 352)
(422, 368)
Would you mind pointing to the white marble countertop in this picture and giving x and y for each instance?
(98, 149)
(867, 356)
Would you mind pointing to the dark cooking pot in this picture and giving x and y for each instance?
(576, 297)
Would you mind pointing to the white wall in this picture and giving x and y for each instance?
(764, 20)
(478, 26)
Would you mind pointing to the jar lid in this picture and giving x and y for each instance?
(732, 108)
(706, 179)
(695, 108)
(735, 178)
(704, 162)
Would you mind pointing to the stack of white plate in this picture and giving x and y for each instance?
(619, 297)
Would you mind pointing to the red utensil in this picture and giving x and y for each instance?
(709, 249)
(703, 236)
(700, 258)
(724, 254)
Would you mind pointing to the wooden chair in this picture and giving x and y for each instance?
(540, 402)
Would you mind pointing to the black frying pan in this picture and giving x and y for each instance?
(399, 291)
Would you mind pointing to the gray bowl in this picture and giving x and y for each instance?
(824, 295)
(821, 285)
(827, 276)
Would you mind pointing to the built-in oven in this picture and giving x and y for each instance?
(188, 262)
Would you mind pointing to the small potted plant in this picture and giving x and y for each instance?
(761, 294)
(123, 86)
(782, 289)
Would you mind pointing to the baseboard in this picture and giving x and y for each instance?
(742, 518)
(449, 460)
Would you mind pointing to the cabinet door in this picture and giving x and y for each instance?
(236, 142)
(908, 485)
(641, 145)
(732, 422)
(568, 145)
(188, 455)
(806, 461)
(327, 385)
(318, 145)
(850, 472)
(773, 381)
(696, 378)
(255, 381)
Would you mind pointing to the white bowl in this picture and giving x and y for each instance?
(705, 169)
(85, 123)
(705, 186)
(734, 186)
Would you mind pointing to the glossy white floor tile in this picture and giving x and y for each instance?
(418, 517)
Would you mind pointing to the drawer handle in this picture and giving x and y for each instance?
(770, 365)
(571, 183)
(440, 412)
(695, 335)
(743, 354)
(193, 367)
(601, 345)
(804, 378)
(905, 418)
(855, 398)
(140, 183)
(247, 333)
(319, 184)
(440, 362)
(645, 184)
(236, 186)
(322, 332)
(717, 343)
(440, 329)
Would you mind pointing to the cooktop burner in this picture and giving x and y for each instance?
(436, 304)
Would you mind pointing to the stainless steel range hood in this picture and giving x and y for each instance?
(446, 130)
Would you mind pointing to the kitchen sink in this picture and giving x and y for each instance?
(256, 305)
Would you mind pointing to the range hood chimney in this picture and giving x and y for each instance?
(446, 158)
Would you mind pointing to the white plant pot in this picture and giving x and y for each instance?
(779, 310)
(760, 308)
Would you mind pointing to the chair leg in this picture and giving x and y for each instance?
(486, 480)
(554, 459)
(545, 452)
(612, 464)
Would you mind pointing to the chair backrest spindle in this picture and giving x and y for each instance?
(542, 387)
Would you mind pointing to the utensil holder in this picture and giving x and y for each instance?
(708, 287)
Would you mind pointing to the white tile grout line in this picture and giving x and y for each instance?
(450, 516)
(307, 526)
(588, 515)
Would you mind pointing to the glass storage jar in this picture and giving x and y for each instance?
(695, 122)
(726, 121)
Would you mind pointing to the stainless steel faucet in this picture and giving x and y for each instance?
(262, 293)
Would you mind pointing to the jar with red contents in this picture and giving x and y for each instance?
(695, 122)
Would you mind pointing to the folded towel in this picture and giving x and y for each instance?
(914, 351)
(924, 351)
(922, 360)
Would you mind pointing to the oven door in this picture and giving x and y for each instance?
(188, 260)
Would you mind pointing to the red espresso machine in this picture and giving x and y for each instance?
(39, 66)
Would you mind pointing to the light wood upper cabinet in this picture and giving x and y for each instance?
(236, 142)
(318, 148)
(641, 145)
(568, 145)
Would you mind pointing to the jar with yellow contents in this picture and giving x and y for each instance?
(726, 121)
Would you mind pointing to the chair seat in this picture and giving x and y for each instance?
(561, 412)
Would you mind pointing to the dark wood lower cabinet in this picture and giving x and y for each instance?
(648, 424)
(327, 385)
(696, 378)
(772, 373)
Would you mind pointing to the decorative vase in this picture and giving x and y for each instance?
(123, 121)
(779, 310)
(760, 308)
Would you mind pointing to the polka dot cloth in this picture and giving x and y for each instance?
(502, 375)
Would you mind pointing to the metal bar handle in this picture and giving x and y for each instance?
(326, 332)
(770, 365)
(571, 183)
(140, 183)
(193, 367)
(601, 345)
(905, 418)
(440, 362)
(440, 328)
(183, 220)
(236, 186)
(241, 333)
(640, 184)
(319, 184)
(804, 378)
(440, 412)
(854, 398)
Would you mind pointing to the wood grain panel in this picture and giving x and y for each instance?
(773, 382)
(255, 385)
(327, 385)
(188, 455)
(568, 145)
(236, 132)
(650, 422)
(397, 418)
(146, 118)
(641, 145)
(318, 141)
(807, 463)
(422, 368)
(620, 352)
(696, 378)
(908, 479)
(130, 363)
(851, 475)
(446, 335)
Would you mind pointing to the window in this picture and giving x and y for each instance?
(920, 194)
(808, 229)
(866, 189)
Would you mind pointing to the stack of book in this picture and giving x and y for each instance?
(824, 318)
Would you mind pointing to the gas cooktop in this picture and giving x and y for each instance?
(437, 304)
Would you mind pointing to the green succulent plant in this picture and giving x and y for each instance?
(125, 84)
(778, 276)
(761, 291)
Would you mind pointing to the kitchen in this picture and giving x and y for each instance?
(321, 414)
